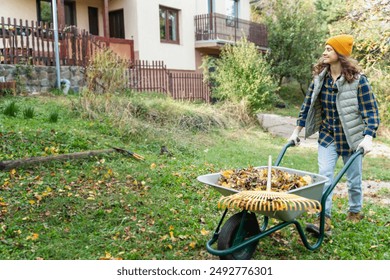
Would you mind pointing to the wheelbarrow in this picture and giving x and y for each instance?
(238, 237)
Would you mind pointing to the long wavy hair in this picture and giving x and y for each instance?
(350, 68)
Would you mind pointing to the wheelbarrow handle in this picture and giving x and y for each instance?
(323, 202)
(283, 151)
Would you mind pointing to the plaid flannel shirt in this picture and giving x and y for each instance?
(331, 129)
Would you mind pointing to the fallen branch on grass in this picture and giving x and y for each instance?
(12, 164)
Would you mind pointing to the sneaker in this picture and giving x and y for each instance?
(315, 228)
(355, 217)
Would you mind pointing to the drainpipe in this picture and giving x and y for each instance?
(235, 19)
(56, 49)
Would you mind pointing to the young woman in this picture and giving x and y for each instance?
(341, 106)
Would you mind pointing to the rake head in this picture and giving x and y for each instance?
(268, 201)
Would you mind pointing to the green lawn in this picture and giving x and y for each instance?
(114, 206)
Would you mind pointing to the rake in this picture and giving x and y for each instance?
(268, 200)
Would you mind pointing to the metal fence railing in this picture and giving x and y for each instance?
(221, 27)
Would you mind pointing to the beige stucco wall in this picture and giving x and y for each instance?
(130, 17)
(19, 9)
(82, 14)
(27, 10)
(176, 56)
(147, 33)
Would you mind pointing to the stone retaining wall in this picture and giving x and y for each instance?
(38, 79)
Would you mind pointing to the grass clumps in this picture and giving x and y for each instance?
(11, 109)
(29, 112)
(153, 111)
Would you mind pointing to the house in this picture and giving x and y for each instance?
(177, 32)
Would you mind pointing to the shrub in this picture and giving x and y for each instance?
(106, 72)
(380, 81)
(243, 74)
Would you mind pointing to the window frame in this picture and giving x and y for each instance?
(166, 11)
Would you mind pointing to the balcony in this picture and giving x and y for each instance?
(215, 30)
(22, 41)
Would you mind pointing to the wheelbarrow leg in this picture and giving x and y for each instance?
(217, 230)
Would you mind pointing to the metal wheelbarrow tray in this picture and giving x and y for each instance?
(238, 237)
(311, 191)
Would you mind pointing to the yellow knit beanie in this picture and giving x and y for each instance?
(342, 44)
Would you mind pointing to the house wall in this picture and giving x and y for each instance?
(27, 10)
(131, 18)
(82, 14)
(142, 24)
(176, 56)
(146, 33)
(20, 9)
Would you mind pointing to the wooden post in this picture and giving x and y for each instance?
(61, 13)
(106, 27)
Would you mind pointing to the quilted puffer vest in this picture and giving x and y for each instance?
(347, 107)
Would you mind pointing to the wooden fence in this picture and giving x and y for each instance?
(149, 76)
(189, 86)
(154, 76)
(33, 43)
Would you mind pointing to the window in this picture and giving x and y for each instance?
(70, 13)
(117, 24)
(93, 19)
(231, 12)
(169, 25)
(45, 15)
(44, 11)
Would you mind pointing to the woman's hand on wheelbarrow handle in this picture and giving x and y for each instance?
(294, 138)
(295, 142)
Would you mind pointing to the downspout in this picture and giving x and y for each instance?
(56, 49)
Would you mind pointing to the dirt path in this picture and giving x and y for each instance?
(373, 190)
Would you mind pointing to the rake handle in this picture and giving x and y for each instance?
(269, 173)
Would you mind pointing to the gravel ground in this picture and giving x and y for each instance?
(378, 192)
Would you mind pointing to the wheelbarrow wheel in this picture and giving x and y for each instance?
(228, 236)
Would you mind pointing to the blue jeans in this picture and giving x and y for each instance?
(327, 159)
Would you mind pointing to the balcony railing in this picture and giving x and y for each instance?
(224, 28)
(33, 43)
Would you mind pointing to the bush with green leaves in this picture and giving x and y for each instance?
(242, 73)
(380, 81)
